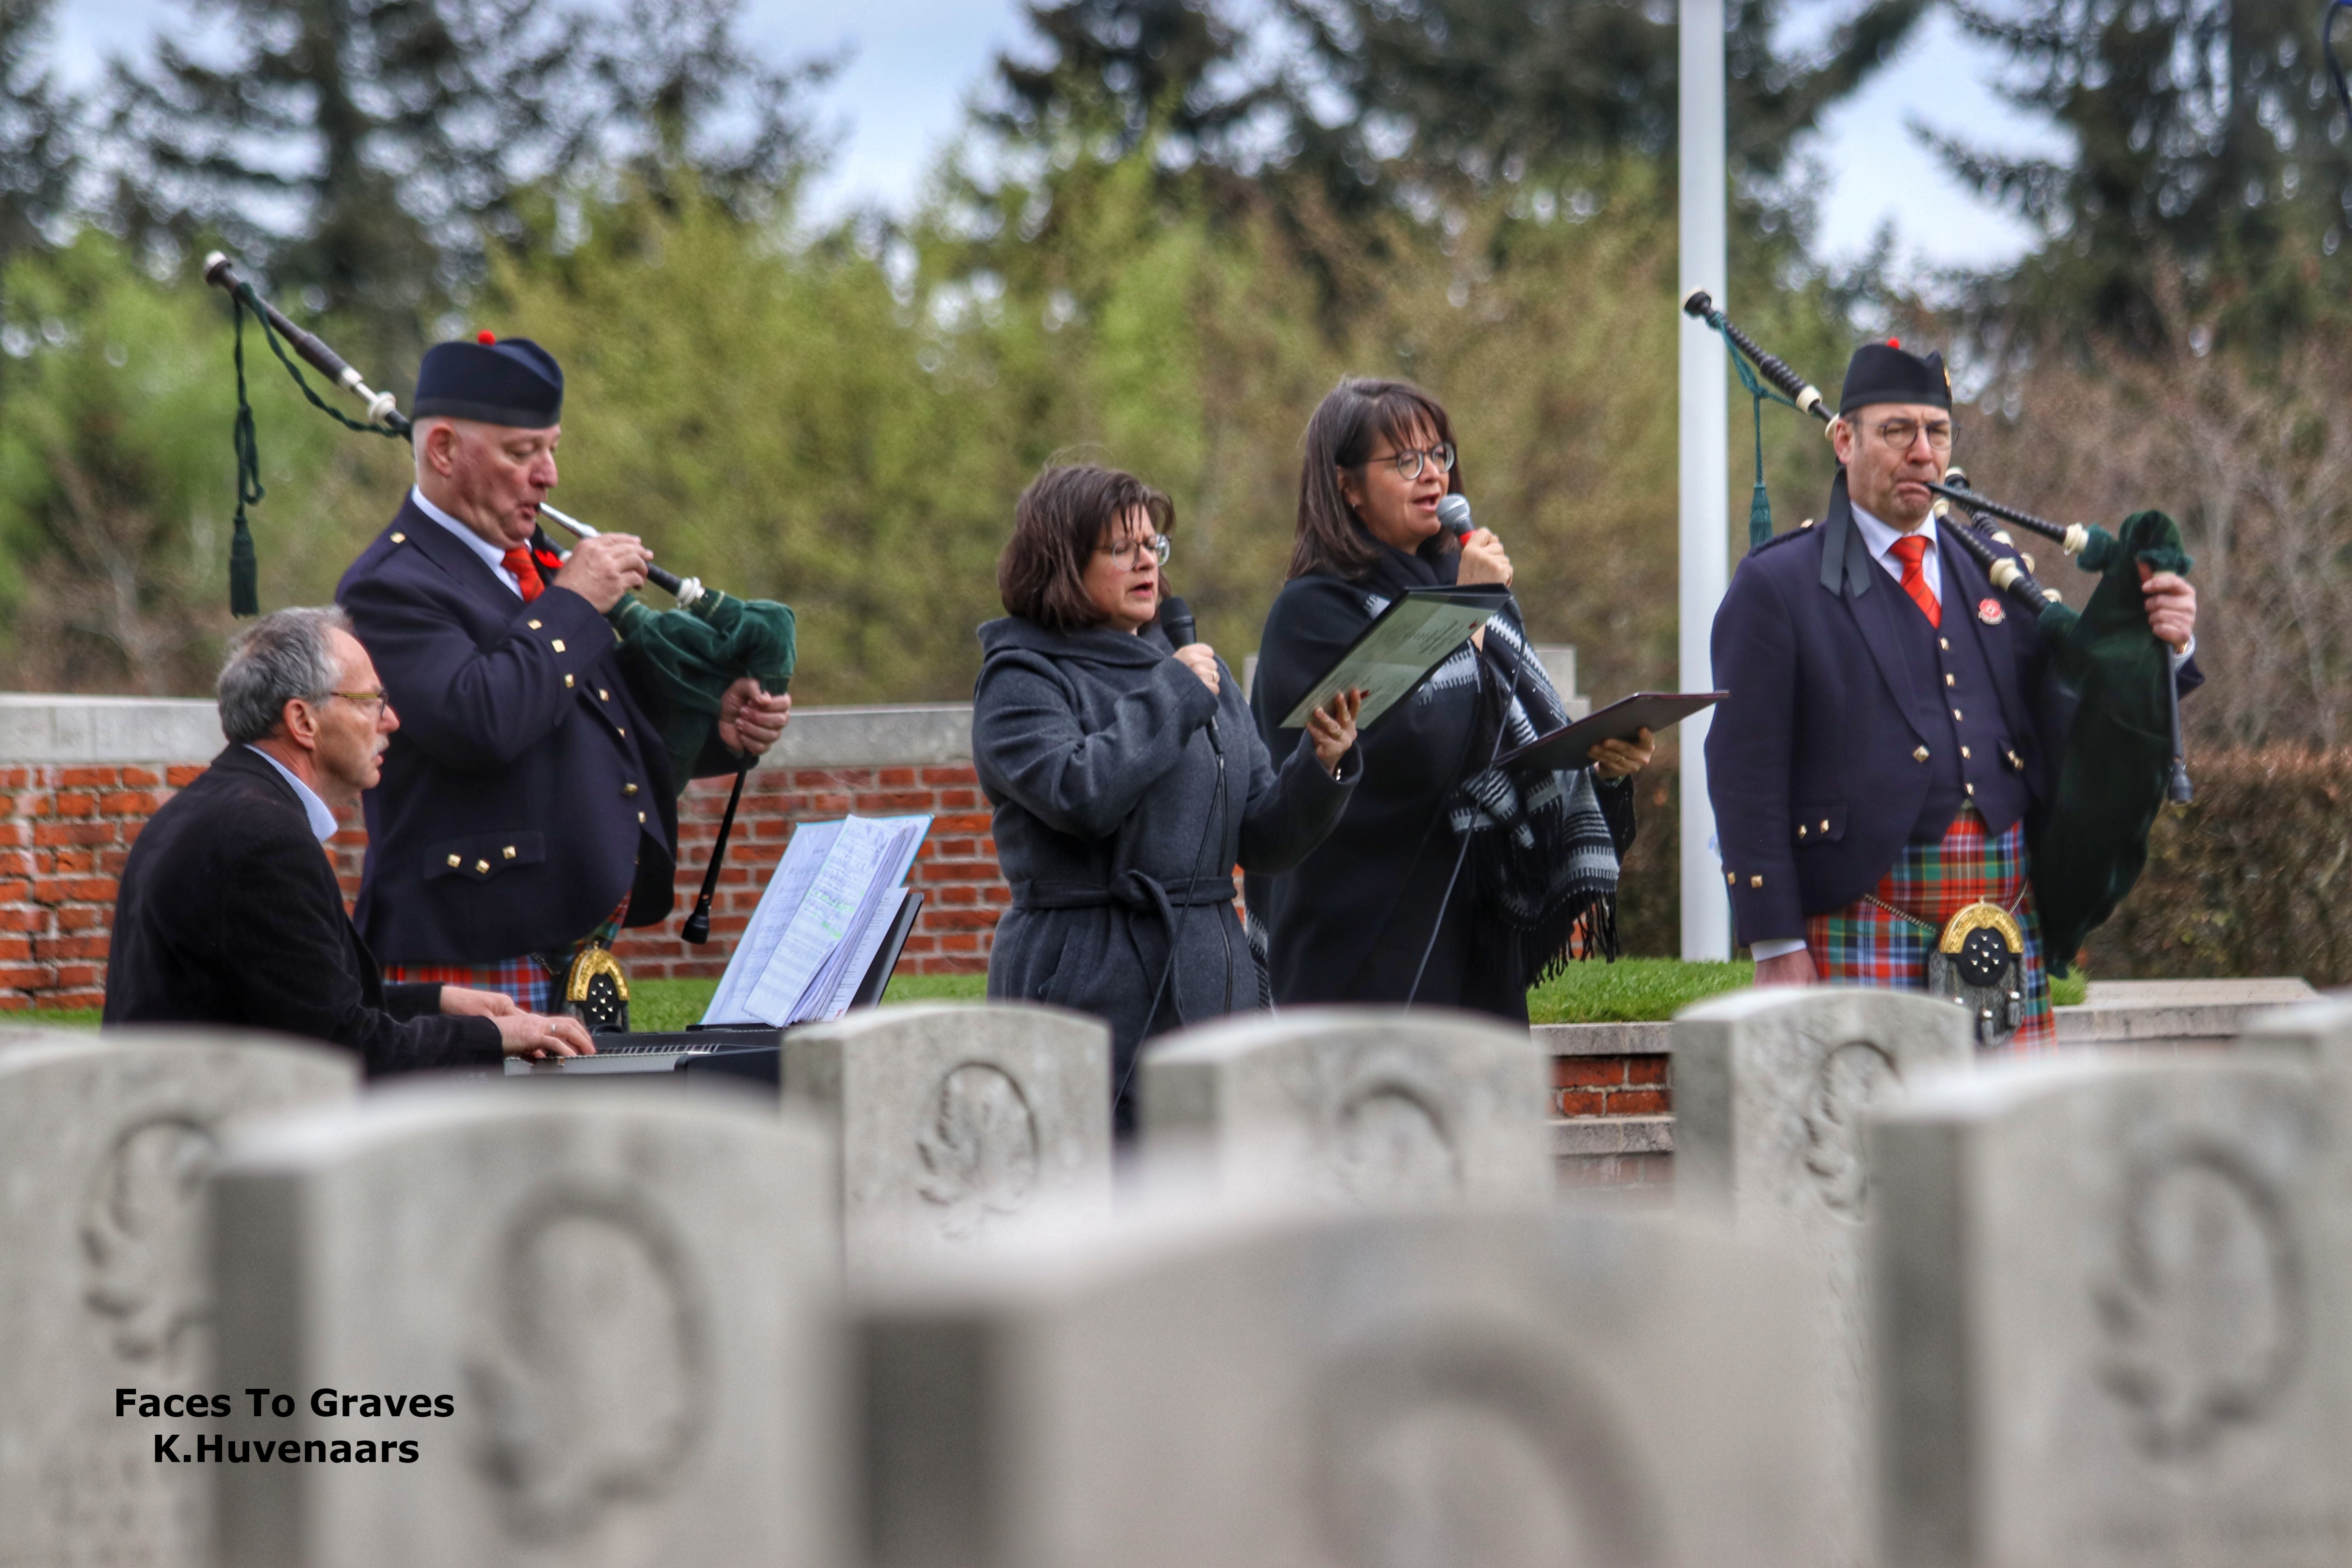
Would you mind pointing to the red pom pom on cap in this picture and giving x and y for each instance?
(486, 337)
(1891, 343)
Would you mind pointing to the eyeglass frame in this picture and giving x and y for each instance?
(1422, 457)
(381, 699)
(1919, 426)
(1158, 545)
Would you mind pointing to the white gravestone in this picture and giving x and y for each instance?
(954, 1122)
(1439, 1389)
(1770, 1087)
(2113, 1326)
(1353, 1106)
(105, 1141)
(620, 1298)
(2320, 1032)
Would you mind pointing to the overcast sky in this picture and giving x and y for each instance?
(916, 63)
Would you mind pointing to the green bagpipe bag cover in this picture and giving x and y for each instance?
(682, 662)
(2118, 755)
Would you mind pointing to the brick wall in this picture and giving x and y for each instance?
(1611, 1086)
(66, 826)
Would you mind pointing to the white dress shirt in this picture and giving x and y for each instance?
(492, 556)
(322, 819)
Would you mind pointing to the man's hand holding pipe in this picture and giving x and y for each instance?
(603, 568)
(751, 719)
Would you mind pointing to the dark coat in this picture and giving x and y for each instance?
(1353, 922)
(526, 791)
(228, 914)
(1831, 709)
(1094, 750)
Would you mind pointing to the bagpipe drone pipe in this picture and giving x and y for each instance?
(681, 660)
(2122, 758)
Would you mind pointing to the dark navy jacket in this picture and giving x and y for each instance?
(1844, 731)
(527, 791)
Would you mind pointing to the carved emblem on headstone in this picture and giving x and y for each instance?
(1391, 1141)
(141, 1235)
(978, 1148)
(2202, 1302)
(1460, 1448)
(593, 1381)
(1853, 1077)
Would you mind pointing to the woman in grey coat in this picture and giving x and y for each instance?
(1127, 777)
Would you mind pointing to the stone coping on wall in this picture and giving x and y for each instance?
(40, 727)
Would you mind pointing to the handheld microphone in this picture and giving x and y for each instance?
(1176, 620)
(1453, 515)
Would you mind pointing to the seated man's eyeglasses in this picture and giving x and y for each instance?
(373, 701)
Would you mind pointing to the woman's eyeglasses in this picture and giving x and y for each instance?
(1124, 552)
(1410, 462)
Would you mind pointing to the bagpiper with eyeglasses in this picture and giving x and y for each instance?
(527, 811)
(1892, 734)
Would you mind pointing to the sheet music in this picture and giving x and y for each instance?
(786, 888)
(893, 842)
(820, 908)
(861, 953)
(1414, 636)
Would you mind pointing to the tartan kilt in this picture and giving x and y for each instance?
(525, 979)
(528, 979)
(1863, 944)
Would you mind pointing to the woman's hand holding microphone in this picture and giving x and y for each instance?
(1333, 725)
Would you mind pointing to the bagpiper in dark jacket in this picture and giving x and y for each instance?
(1855, 726)
(526, 791)
(1354, 920)
(1116, 811)
(229, 914)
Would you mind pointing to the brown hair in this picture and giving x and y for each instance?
(1057, 524)
(1348, 424)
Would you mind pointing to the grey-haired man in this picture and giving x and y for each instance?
(228, 912)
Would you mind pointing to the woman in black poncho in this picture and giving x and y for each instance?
(1125, 776)
(1448, 881)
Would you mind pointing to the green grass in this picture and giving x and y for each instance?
(1632, 990)
(656, 1005)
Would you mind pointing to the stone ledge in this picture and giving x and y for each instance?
(2172, 1012)
(41, 728)
(1575, 1136)
(1647, 1039)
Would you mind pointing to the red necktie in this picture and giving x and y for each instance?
(526, 574)
(1910, 547)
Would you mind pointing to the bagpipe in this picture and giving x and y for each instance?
(2123, 756)
(683, 659)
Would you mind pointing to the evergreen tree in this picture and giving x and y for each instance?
(2205, 135)
(1484, 88)
(39, 128)
(1119, 68)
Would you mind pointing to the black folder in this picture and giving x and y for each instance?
(1621, 721)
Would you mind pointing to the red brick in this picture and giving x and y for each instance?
(893, 802)
(140, 778)
(952, 895)
(960, 871)
(948, 774)
(917, 944)
(894, 778)
(1580, 1102)
(16, 778)
(976, 822)
(84, 778)
(950, 848)
(1647, 1069)
(1575, 1072)
(184, 774)
(53, 948)
(64, 1001)
(15, 948)
(83, 917)
(79, 975)
(1639, 1102)
(73, 802)
(24, 978)
(960, 919)
(960, 941)
(55, 833)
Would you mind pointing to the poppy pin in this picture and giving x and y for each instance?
(1988, 612)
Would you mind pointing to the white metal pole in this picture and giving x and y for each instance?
(1703, 184)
